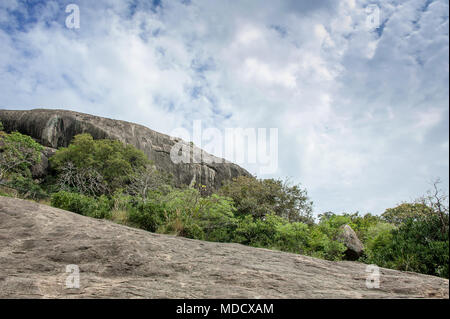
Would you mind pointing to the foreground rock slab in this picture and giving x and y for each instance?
(37, 242)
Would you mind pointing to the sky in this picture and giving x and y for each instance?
(358, 90)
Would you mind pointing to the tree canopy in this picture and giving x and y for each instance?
(261, 197)
(104, 164)
(18, 153)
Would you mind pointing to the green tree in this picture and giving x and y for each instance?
(437, 201)
(416, 245)
(27, 187)
(261, 197)
(258, 232)
(323, 244)
(377, 244)
(97, 166)
(405, 211)
(191, 215)
(147, 215)
(360, 224)
(434, 203)
(18, 153)
(420, 240)
(216, 218)
(292, 237)
(147, 180)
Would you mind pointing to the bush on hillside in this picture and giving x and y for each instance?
(405, 211)
(261, 197)
(209, 218)
(81, 204)
(96, 167)
(417, 245)
(147, 215)
(18, 153)
(27, 187)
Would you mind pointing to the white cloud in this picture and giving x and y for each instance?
(362, 116)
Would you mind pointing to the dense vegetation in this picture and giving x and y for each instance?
(96, 167)
(18, 154)
(107, 179)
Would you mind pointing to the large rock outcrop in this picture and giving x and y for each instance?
(37, 242)
(348, 237)
(56, 128)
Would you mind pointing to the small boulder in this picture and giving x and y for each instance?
(354, 246)
(40, 169)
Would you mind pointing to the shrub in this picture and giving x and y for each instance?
(377, 243)
(258, 232)
(331, 226)
(216, 218)
(5, 194)
(191, 215)
(147, 215)
(416, 245)
(192, 230)
(26, 187)
(105, 165)
(360, 224)
(18, 153)
(333, 249)
(82, 204)
(419, 245)
(119, 216)
(259, 198)
(121, 201)
(251, 232)
(322, 243)
(405, 211)
(275, 232)
(147, 181)
(292, 237)
(331, 222)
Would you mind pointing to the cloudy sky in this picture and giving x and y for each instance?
(361, 108)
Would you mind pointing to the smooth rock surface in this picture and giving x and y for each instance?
(56, 128)
(37, 242)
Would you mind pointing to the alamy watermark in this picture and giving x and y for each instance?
(239, 145)
(373, 277)
(373, 16)
(73, 277)
(73, 19)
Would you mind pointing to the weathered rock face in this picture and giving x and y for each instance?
(354, 246)
(56, 128)
(40, 170)
(37, 242)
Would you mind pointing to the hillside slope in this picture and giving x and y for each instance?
(56, 128)
(38, 241)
